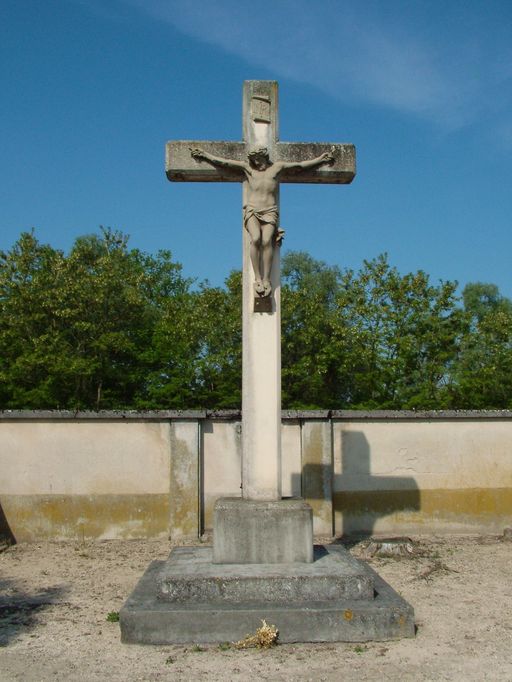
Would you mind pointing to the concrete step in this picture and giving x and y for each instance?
(190, 575)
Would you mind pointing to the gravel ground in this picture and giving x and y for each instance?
(55, 598)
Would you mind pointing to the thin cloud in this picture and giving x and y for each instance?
(357, 51)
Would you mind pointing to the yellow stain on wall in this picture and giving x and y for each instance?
(461, 502)
(36, 517)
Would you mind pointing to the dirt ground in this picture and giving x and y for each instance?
(55, 598)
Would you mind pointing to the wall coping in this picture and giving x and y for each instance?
(235, 415)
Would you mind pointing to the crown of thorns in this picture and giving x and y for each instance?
(258, 151)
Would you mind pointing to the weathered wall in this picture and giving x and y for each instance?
(127, 475)
(67, 478)
(452, 475)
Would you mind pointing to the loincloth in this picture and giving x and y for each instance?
(269, 216)
(265, 216)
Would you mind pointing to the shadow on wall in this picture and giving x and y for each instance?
(6, 534)
(363, 498)
(314, 485)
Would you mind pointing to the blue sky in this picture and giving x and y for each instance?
(91, 90)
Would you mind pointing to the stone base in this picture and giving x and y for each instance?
(262, 532)
(190, 576)
(337, 598)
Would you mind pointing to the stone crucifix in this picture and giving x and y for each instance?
(261, 162)
(261, 212)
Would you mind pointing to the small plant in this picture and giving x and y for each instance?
(224, 646)
(196, 648)
(113, 617)
(264, 638)
(360, 649)
(169, 660)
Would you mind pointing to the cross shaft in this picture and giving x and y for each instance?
(292, 162)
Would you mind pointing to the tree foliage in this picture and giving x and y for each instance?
(371, 339)
(107, 326)
(75, 329)
(313, 335)
(483, 371)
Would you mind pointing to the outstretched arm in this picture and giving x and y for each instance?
(200, 155)
(326, 157)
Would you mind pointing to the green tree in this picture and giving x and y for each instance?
(481, 299)
(404, 336)
(74, 329)
(29, 331)
(196, 350)
(483, 372)
(371, 339)
(220, 359)
(106, 326)
(314, 362)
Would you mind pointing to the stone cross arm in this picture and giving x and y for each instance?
(182, 167)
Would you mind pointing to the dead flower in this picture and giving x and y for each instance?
(265, 637)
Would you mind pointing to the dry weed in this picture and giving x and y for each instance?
(265, 637)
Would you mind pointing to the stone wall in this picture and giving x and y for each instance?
(132, 475)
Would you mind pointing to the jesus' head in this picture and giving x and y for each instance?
(259, 158)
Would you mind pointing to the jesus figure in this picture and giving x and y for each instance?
(261, 216)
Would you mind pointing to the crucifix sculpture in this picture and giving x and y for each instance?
(261, 162)
(261, 213)
(262, 563)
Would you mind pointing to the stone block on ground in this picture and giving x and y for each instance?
(262, 532)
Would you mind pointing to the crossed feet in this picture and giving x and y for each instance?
(263, 287)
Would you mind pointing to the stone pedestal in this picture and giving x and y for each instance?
(259, 532)
(188, 598)
(263, 566)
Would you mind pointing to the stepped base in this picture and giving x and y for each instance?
(190, 576)
(176, 601)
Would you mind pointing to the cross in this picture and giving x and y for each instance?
(297, 162)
